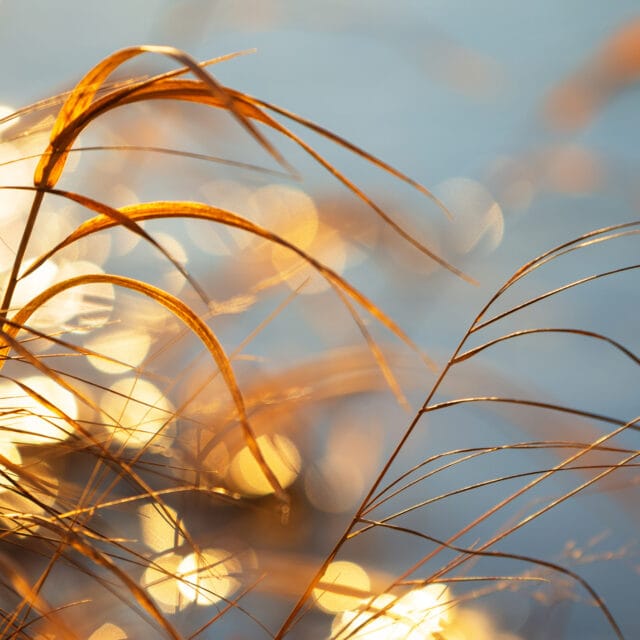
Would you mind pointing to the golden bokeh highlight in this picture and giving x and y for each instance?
(205, 457)
(88, 306)
(13, 202)
(204, 578)
(123, 240)
(209, 576)
(25, 420)
(160, 579)
(419, 614)
(32, 285)
(143, 415)
(288, 212)
(109, 631)
(159, 527)
(129, 346)
(292, 214)
(246, 476)
(327, 247)
(78, 309)
(343, 585)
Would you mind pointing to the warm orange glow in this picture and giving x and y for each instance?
(108, 631)
(79, 309)
(127, 345)
(208, 576)
(571, 169)
(472, 624)
(159, 527)
(17, 509)
(288, 212)
(327, 247)
(26, 420)
(161, 583)
(88, 306)
(280, 454)
(7, 477)
(6, 110)
(172, 279)
(334, 485)
(202, 578)
(418, 615)
(342, 587)
(218, 239)
(143, 415)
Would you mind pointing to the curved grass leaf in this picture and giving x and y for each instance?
(183, 209)
(50, 167)
(184, 313)
(65, 129)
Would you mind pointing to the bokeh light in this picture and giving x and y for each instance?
(143, 414)
(343, 586)
(156, 391)
(474, 624)
(161, 578)
(420, 614)
(203, 578)
(160, 527)
(129, 346)
(288, 212)
(28, 421)
(209, 576)
(109, 631)
(78, 309)
(282, 456)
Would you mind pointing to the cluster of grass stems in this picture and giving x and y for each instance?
(68, 534)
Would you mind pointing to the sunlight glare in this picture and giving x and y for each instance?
(420, 614)
(208, 576)
(327, 247)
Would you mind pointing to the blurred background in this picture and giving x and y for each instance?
(523, 119)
